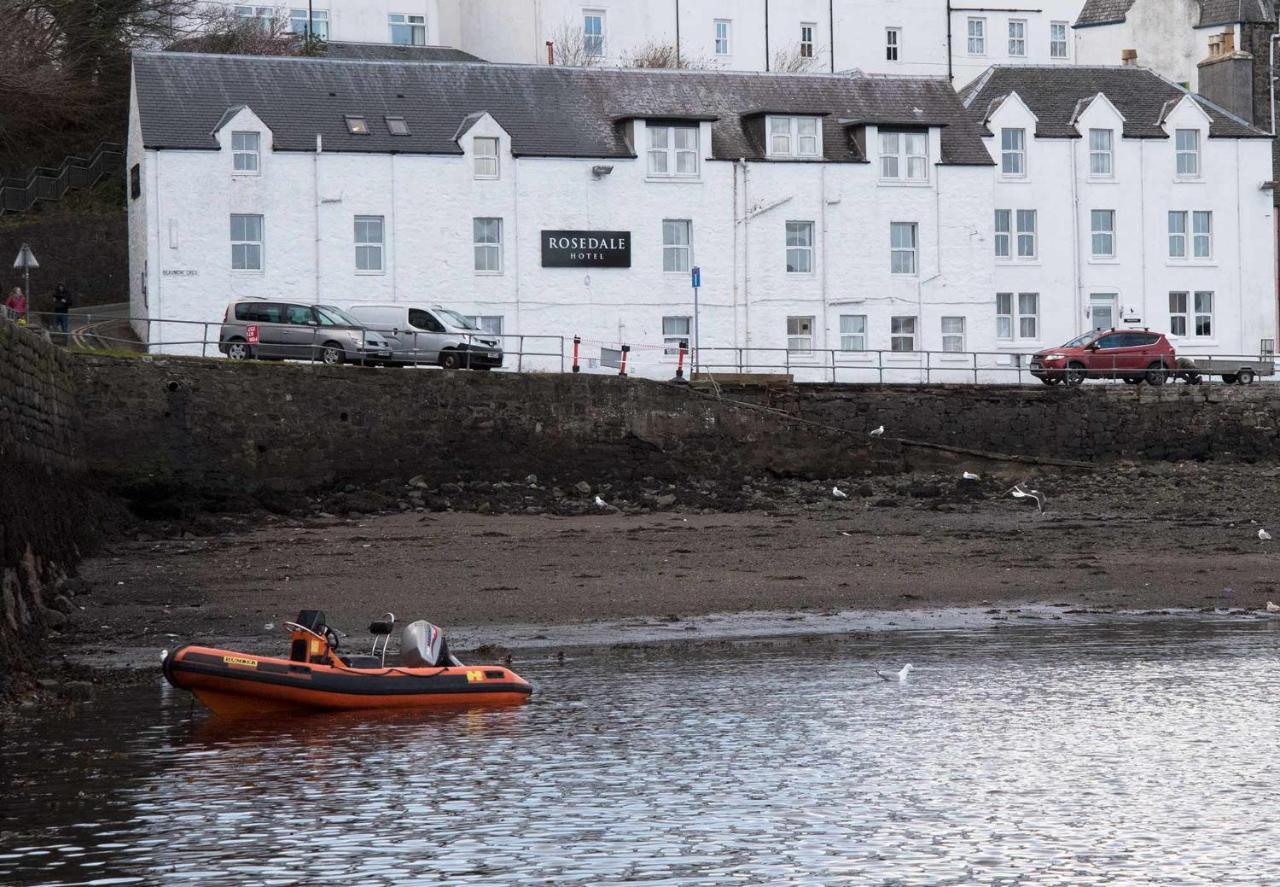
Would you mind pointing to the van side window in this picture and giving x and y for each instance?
(260, 312)
(300, 314)
(423, 320)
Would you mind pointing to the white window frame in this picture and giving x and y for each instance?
(1018, 38)
(1013, 157)
(415, 24)
(319, 22)
(892, 44)
(790, 129)
(977, 36)
(1191, 155)
(808, 47)
(896, 155)
(1178, 220)
(722, 30)
(664, 147)
(1004, 235)
(1096, 231)
(594, 45)
(953, 338)
(797, 337)
(1191, 314)
(671, 332)
(369, 247)
(1028, 247)
(486, 163)
(1102, 153)
(486, 246)
(799, 246)
(1054, 42)
(247, 244)
(902, 331)
(246, 161)
(487, 323)
(677, 252)
(910, 253)
(853, 332)
(1014, 322)
(1202, 235)
(264, 17)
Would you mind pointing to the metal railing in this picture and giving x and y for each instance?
(527, 352)
(47, 183)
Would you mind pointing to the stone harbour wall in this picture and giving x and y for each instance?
(47, 516)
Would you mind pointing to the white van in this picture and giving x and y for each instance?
(435, 335)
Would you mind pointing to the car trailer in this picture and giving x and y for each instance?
(1241, 370)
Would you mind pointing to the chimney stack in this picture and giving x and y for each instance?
(1128, 56)
(551, 53)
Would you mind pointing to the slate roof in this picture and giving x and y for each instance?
(1054, 92)
(548, 111)
(1229, 12)
(390, 52)
(1102, 12)
(1212, 12)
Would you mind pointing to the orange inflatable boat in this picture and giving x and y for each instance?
(318, 677)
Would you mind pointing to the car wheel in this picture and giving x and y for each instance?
(1193, 378)
(1245, 377)
(238, 349)
(1157, 374)
(449, 360)
(1074, 373)
(1229, 378)
(1132, 380)
(331, 354)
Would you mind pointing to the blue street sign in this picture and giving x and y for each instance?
(697, 277)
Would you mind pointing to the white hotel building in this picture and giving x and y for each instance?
(846, 214)
(960, 38)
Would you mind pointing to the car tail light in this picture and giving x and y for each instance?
(226, 314)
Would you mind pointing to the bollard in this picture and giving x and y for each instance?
(577, 340)
(684, 345)
(622, 364)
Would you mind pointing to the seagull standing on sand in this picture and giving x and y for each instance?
(902, 675)
(839, 493)
(876, 432)
(1019, 493)
(1264, 535)
(600, 503)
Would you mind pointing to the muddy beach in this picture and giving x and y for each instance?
(1128, 538)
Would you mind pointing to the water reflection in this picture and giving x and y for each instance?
(1072, 757)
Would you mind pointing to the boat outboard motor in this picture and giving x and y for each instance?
(422, 645)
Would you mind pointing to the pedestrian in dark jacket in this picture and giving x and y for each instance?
(62, 308)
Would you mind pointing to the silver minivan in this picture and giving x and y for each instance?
(269, 330)
(430, 335)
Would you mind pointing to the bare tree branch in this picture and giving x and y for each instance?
(570, 47)
(662, 55)
(791, 60)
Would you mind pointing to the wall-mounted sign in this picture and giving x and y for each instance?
(180, 272)
(586, 249)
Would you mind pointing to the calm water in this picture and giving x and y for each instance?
(1121, 755)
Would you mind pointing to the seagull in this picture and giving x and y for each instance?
(600, 503)
(1272, 607)
(841, 494)
(969, 475)
(876, 432)
(902, 675)
(1019, 493)
(1264, 535)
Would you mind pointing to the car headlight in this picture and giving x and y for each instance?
(1054, 356)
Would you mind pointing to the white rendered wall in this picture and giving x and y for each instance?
(429, 202)
(1142, 191)
(1163, 33)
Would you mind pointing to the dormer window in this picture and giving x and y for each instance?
(1187, 147)
(357, 125)
(485, 152)
(904, 155)
(397, 126)
(793, 137)
(673, 151)
(244, 152)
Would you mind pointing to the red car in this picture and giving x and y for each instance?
(1132, 355)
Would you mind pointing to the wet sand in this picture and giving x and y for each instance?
(1136, 540)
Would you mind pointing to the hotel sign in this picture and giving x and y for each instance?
(586, 249)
